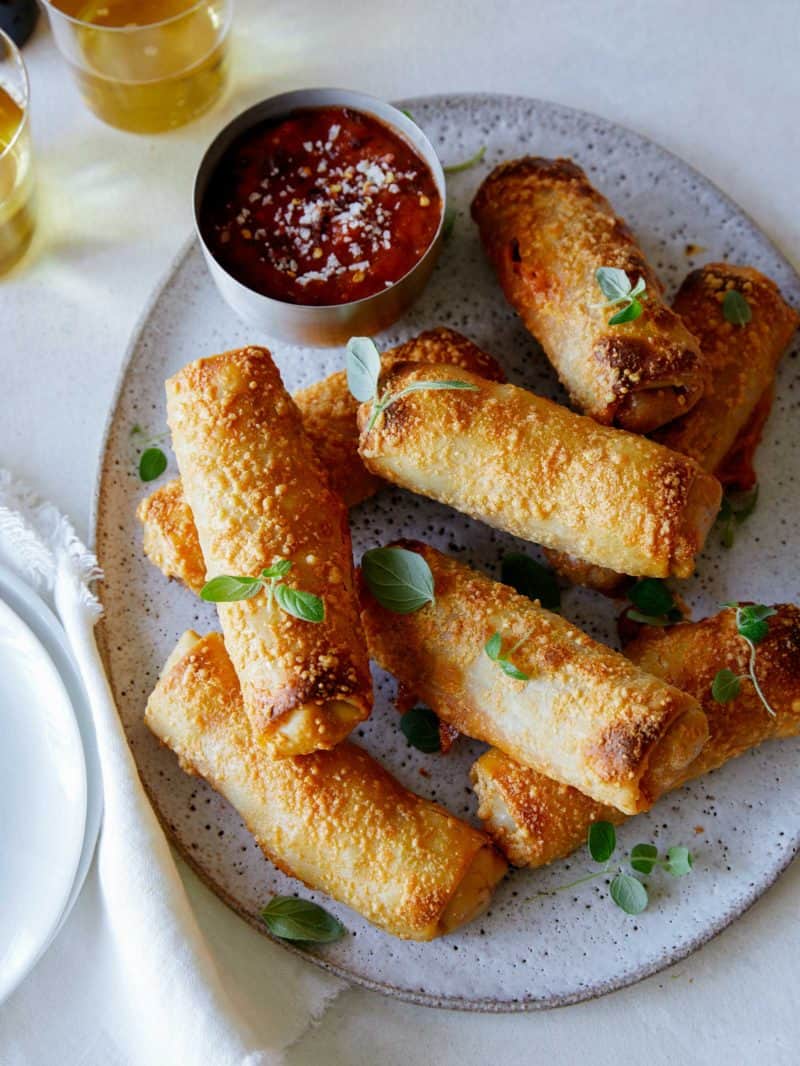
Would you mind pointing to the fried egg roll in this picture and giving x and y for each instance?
(531, 467)
(535, 819)
(258, 493)
(335, 820)
(547, 231)
(742, 360)
(329, 419)
(586, 715)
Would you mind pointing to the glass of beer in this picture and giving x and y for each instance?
(16, 177)
(145, 65)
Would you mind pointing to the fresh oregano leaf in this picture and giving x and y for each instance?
(363, 366)
(399, 579)
(725, 686)
(530, 579)
(493, 646)
(152, 464)
(627, 314)
(303, 605)
(227, 589)
(420, 727)
(628, 893)
(512, 671)
(601, 841)
(300, 919)
(614, 284)
(643, 858)
(679, 861)
(735, 308)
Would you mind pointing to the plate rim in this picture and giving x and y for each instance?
(70, 721)
(487, 1005)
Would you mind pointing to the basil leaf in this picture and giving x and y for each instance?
(400, 580)
(303, 605)
(363, 365)
(300, 919)
(725, 686)
(226, 589)
(651, 596)
(420, 727)
(614, 283)
(449, 223)
(492, 647)
(679, 861)
(628, 893)
(279, 569)
(152, 464)
(627, 314)
(512, 671)
(456, 168)
(530, 579)
(602, 841)
(643, 857)
(735, 308)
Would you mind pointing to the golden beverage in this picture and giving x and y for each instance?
(16, 182)
(146, 65)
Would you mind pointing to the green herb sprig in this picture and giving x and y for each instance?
(303, 605)
(152, 460)
(751, 624)
(420, 727)
(399, 579)
(735, 308)
(617, 289)
(494, 647)
(531, 579)
(736, 508)
(628, 892)
(299, 919)
(653, 603)
(467, 164)
(363, 364)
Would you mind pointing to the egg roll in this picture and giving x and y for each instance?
(535, 469)
(546, 231)
(336, 820)
(329, 419)
(258, 493)
(586, 715)
(535, 819)
(742, 359)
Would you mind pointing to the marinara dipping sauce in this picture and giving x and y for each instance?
(324, 207)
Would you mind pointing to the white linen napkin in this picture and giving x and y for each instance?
(154, 990)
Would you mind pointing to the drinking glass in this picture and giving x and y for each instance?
(16, 177)
(145, 65)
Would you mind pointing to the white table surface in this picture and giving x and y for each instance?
(717, 82)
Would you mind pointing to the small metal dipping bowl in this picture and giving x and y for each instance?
(332, 324)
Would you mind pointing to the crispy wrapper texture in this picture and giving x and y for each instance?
(336, 820)
(258, 492)
(537, 470)
(546, 231)
(742, 359)
(535, 820)
(329, 419)
(586, 716)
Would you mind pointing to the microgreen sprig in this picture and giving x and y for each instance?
(363, 364)
(653, 603)
(494, 647)
(751, 624)
(457, 168)
(627, 891)
(736, 508)
(303, 605)
(617, 289)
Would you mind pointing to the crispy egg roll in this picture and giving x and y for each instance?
(742, 360)
(329, 419)
(258, 492)
(547, 231)
(535, 469)
(335, 820)
(535, 819)
(586, 715)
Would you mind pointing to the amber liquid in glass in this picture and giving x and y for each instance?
(16, 184)
(155, 79)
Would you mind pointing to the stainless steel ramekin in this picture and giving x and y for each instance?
(330, 324)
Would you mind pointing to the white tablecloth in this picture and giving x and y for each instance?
(718, 83)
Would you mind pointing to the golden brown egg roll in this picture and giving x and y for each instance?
(742, 360)
(329, 419)
(531, 467)
(258, 493)
(535, 819)
(586, 715)
(547, 231)
(335, 820)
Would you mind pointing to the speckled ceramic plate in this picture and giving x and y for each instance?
(742, 823)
